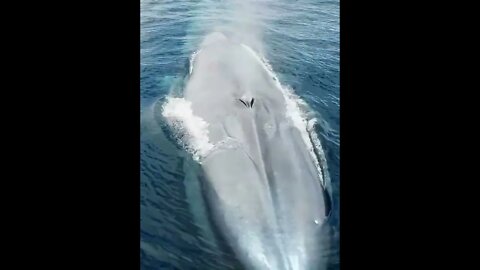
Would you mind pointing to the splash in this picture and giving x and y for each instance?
(191, 130)
(192, 61)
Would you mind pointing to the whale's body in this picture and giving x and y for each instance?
(264, 190)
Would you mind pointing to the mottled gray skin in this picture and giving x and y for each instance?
(264, 189)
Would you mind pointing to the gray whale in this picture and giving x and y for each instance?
(263, 187)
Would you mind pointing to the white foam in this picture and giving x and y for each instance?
(194, 130)
(296, 114)
(318, 146)
(192, 61)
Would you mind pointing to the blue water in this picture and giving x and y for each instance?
(300, 39)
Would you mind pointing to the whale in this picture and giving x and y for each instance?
(263, 189)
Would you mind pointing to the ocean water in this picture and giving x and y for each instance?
(299, 40)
